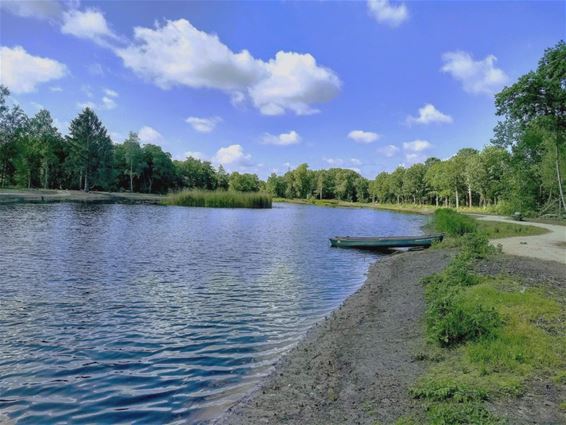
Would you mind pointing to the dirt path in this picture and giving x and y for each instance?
(550, 246)
(355, 367)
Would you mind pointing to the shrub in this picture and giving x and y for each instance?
(451, 320)
(452, 223)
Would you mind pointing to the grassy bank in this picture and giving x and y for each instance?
(487, 336)
(219, 199)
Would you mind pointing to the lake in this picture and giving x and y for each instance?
(149, 314)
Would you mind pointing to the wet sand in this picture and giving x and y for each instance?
(355, 367)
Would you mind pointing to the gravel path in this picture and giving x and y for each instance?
(550, 246)
(356, 366)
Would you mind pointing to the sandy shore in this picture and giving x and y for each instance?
(356, 366)
(9, 196)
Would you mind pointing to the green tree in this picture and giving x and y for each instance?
(539, 99)
(159, 172)
(91, 150)
(245, 182)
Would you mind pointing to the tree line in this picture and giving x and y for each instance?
(34, 154)
(521, 169)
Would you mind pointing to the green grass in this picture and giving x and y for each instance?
(488, 336)
(219, 199)
(497, 229)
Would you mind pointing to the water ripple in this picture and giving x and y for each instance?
(145, 314)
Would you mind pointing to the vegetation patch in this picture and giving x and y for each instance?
(497, 229)
(219, 199)
(494, 333)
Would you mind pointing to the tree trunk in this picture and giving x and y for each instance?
(436, 198)
(559, 178)
(86, 181)
(131, 178)
(470, 196)
(457, 199)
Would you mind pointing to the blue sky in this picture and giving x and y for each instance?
(263, 86)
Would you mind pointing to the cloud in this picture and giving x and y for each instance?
(429, 114)
(283, 139)
(89, 24)
(388, 151)
(55, 89)
(339, 162)
(107, 102)
(481, 76)
(203, 125)
(233, 155)
(192, 154)
(294, 83)
(150, 135)
(414, 151)
(110, 93)
(360, 136)
(386, 13)
(417, 145)
(49, 10)
(22, 72)
(178, 54)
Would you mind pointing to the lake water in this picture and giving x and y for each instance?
(148, 314)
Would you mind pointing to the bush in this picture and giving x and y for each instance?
(451, 320)
(452, 223)
(220, 199)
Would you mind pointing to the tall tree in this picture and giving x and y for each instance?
(539, 98)
(91, 150)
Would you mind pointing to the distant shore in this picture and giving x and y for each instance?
(12, 196)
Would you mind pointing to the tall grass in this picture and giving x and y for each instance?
(219, 199)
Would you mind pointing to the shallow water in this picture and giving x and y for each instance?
(148, 314)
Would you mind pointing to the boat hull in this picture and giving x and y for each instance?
(385, 243)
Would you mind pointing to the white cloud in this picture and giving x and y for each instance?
(193, 154)
(481, 76)
(294, 83)
(233, 155)
(40, 9)
(283, 139)
(429, 114)
(355, 161)
(388, 151)
(384, 12)
(110, 93)
(417, 146)
(203, 125)
(177, 53)
(414, 151)
(37, 106)
(55, 89)
(360, 136)
(108, 102)
(150, 135)
(89, 24)
(339, 162)
(22, 72)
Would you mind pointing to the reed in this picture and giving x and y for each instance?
(219, 199)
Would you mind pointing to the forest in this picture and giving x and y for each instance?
(521, 169)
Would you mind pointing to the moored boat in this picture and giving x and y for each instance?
(391, 242)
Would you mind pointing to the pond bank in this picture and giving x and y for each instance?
(13, 196)
(356, 366)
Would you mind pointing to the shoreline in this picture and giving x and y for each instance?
(337, 373)
(46, 196)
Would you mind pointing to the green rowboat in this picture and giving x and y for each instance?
(385, 243)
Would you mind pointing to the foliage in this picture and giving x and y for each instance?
(499, 334)
(452, 223)
(219, 199)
